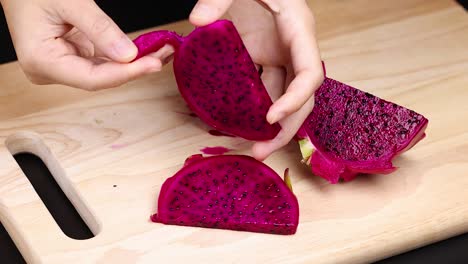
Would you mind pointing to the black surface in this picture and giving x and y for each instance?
(450, 251)
(134, 15)
(464, 3)
(61, 209)
(7, 52)
(9, 254)
(54, 199)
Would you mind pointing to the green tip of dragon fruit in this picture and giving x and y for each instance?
(307, 149)
(287, 179)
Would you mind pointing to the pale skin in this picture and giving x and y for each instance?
(75, 43)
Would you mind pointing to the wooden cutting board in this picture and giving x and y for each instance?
(413, 52)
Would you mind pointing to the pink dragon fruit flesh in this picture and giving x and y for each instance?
(350, 132)
(217, 78)
(232, 192)
(347, 133)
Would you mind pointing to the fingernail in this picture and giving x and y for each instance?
(275, 117)
(124, 49)
(204, 11)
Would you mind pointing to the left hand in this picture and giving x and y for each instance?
(75, 43)
(280, 37)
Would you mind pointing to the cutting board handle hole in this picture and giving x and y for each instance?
(8, 250)
(51, 184)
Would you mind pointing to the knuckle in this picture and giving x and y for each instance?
(28, 63)
(101, 25)
(91, 85)
(319, 77)
(94, 84)
(99, 79)
(309, 18)
(314, 78)
(31, 66)
(282, 139)
(294, 107)
(88, 84)
(37, 80)
(312, 21)
(310, 103)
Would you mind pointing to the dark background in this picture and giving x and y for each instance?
(132, 16)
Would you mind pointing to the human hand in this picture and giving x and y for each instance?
(74, 43)
(280, 37)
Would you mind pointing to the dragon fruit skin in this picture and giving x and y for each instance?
(348, 132)
(217, 78)
(153, 41)
(351, 132)
(232, 192)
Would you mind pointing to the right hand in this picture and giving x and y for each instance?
(75, 43)
(281, 38)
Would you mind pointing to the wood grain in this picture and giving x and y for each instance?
(412, 52)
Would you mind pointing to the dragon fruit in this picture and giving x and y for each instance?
(347, 133)
(232, 192)
(350, 132)
(217, 78)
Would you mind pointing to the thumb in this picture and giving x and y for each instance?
(106, 36)
(207, 11)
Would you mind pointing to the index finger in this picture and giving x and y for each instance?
(207, 11)
(296, 26)
(85, 74)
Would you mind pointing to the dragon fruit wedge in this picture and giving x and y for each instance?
(350, 132)
(228, 192)
(217, 78)
(347, 133)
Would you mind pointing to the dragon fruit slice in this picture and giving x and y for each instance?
(350, 132)
(228, 192)
(217, 78)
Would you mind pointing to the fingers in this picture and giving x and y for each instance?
(270, 5)
(83, 45)
(290, 125)
(85, 74)
(297, 30)
(304, 76)
(274, 79)
(99, 28)
(164, 54)
(297, 94)
(207, 11)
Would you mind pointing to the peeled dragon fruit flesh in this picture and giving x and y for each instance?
(232, 192)
(217, 78)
